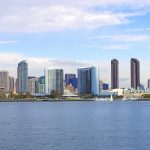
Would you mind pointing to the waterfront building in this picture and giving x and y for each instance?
(53, 80)
(71, 81)
(101, 85)
(114, 74)
(74, 82)
(11, 84)
(22, 77)
(105, 86)
(135, 73)
(148, 86)
(94, 80)
(32, 84)
(84, 80)
(68, 77)
(88, 80)
(42, 85)
(37, 86)
(4, 81)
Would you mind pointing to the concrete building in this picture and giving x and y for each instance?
(88, 80)
(54, 80)
(11, 84)
(4, 81)
(32, 84)
(22, 77)
(114, 74)
(135, 73)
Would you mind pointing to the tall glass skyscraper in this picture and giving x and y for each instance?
(88, 80)
(114, 74)
(95, 80)
(84, 80)
(135, 73)
(22, 77)
(53, 80)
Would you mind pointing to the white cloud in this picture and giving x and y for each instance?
(45, 15)
(124, 38)
(54, 18)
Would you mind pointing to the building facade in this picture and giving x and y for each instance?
(114, 74)
(32, 84)
(11, 84)
(54, 80)
(88, 80)
(4, 81)
(68, 77)
(22, 77)
(148, 83)
(135, 73)
(42, 85)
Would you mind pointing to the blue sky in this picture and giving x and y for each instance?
(70, 34)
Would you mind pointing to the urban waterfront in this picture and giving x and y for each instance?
(75, 125)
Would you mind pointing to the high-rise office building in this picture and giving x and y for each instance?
(88, 80)
(135, 73)
(68, 77)
(22, 77)
(94, 80)
(54, 80)
(11, 84)
(148, 85)
(32, 84)
(4, 81)
(42, 85)
(114, 74)
(84, 80)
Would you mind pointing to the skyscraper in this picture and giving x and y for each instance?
(4, 81)
(53, 80)
(88, 80)
(42, 85)
(84, 80)
(148, 86)
(114, 74)
(11, 84)
(32, 84)
(22, 77)
(135, 73)
(94, 80)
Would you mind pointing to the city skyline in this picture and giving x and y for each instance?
(75, 34)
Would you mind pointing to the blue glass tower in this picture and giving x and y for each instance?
(88, 80)
(22, 77)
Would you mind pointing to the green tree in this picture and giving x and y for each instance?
(55, 94)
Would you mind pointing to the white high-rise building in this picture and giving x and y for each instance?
(53, 80)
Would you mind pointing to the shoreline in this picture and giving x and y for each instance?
(45, 100)
(59, 100)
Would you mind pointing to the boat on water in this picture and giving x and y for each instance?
(104, 99)
(111, 98)
(101, 99)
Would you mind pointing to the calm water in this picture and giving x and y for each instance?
(75, 126)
